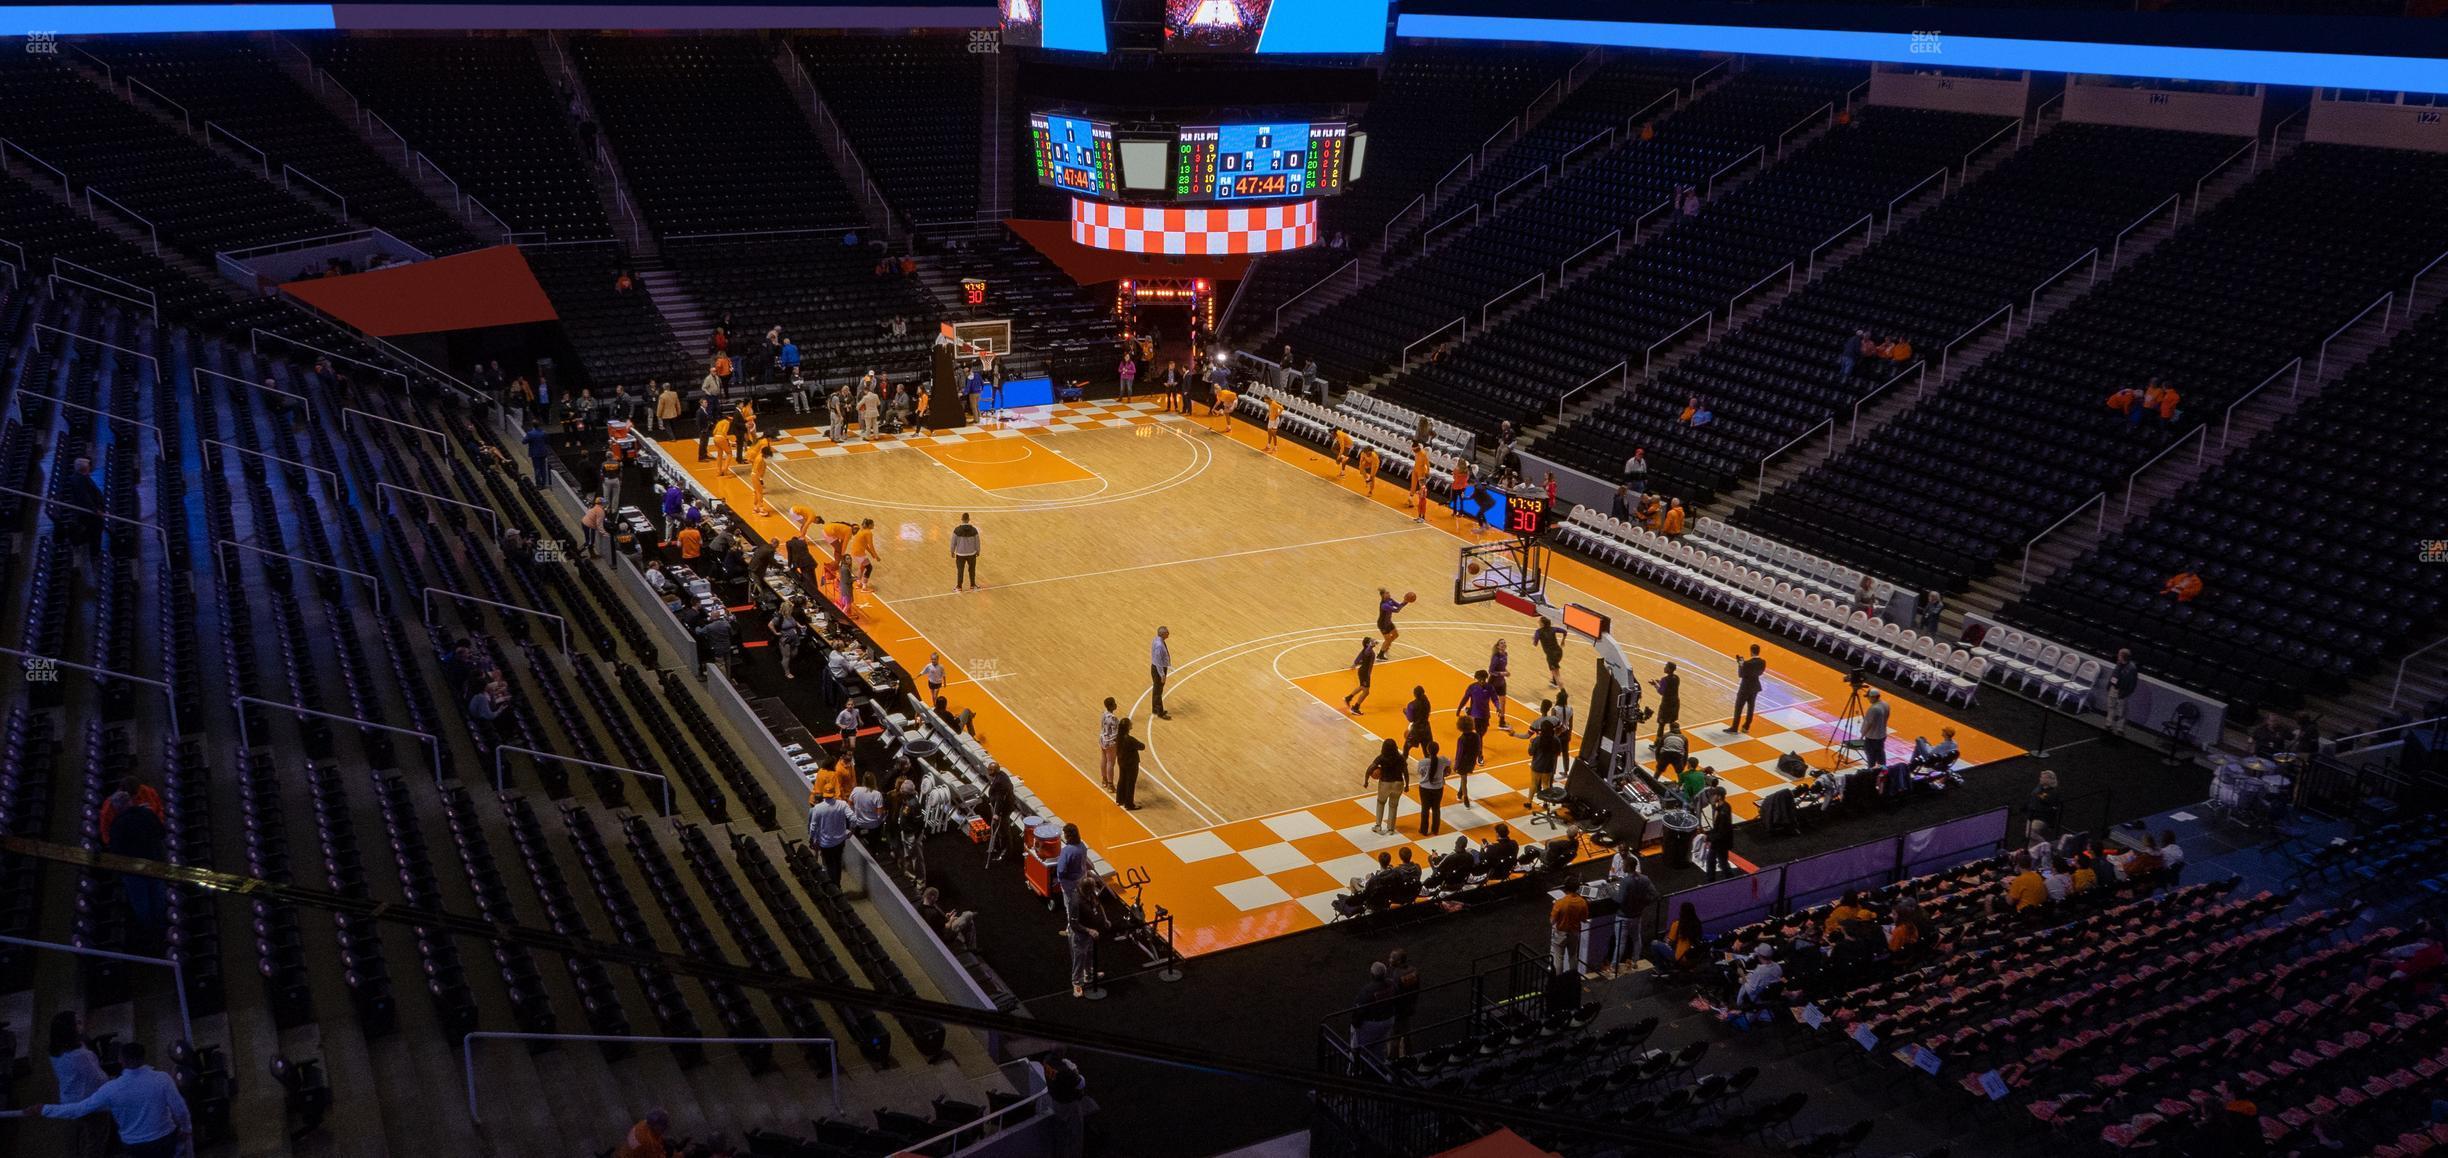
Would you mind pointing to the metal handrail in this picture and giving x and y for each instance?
(345, 411)
(1463, 321)
(66, 189)
(57, 262)
(2413, 285)
(1848, 97)
(1703, 73)
(105, 415)
(1942, 176)
(1811, 267)
(467, 1047)
(1624, 366)
(509, 236)
(1554, 86)
(2399, 689)
(2253, 146)
(2117, 249)
(2041, 109)
(919, 1146)
(407, 155)
(1649, 352)
(1759, 151)
(1385, 236)
(1964, 167)
(2227, 425)
(420, 163)
(2386, 305)
(1606, 134)
(1787, 269)
(326, 471)
(289, 170)
(2101, 498)
(1352, 265)
(501, 769)
(426, 598)
(185, 116)
(262, 159)
(255, 346)
(153, 230)
(55, 279)
(1828, 108)
(1673, 95)
(195, 377)
(432, 741)
(178, 972)
(1853, 430)
(1512, 126)
(2341, 740)
(2200, 453)
(1615, 235)
(22, 263)
(1437, 191)
(73, 336)
(1540, 277)
(382, 488)
(1472, 213)
(827, 230)
(371, 580)
(1828, 424)
(297, 243)
(2031, 308)
(1949, 348)
(1666, 206)
(1543, 172)
(2278, 128)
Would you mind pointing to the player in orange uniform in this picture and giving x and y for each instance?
(1368, 469)
(758, 458)
(862, 552)
(1419, 496)
(1342, 452)
(1274, 421)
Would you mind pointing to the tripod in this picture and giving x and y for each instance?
(1848, 729)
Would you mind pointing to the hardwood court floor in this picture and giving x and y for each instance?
(1266, 570)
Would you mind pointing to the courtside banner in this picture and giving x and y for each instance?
(1194, 232)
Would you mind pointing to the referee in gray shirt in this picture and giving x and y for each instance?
(1160, 663)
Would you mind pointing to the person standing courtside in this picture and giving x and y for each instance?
(1160, 664)
(964, 554)
(1107, 727)
(1670, 702)
(1747, 673)
(1874, 730)
(2123, 680)
(1126, 765)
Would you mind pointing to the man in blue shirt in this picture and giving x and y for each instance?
(1160, 665)
(829, 830)
(143, 1102)
(1071, 875)
(789, 358)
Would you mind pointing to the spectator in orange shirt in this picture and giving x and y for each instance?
(1564, 922)
(131, 794)
(692, 543)
(646, 1139)
(2028, 890)
(2122, 402)
(2184, 586)
(2168, 398)
(1672, 523)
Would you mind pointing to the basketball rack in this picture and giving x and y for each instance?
(1512, 569)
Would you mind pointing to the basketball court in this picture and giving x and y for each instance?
(1101, 521)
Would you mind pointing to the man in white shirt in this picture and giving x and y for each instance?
(1160, 664)
(142, 1101)
(866, 810)
(1105, 743)
(1765, 971)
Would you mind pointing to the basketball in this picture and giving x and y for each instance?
(1410, 596)
(1471, 569)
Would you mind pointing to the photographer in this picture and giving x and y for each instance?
(1670, 701)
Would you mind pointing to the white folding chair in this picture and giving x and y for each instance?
(2086, 677)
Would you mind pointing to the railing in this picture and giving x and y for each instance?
(1436, 192)
(1615, 236)
(1828, 424)
(2413, 287)
(408, 156)
(2277, 129)
(60, 263)
(475, 206)
(1385, 236)
(55, 279)
(1848, 97)
(21, 254)
(2386, 304)
(1352, 265)
(467, 1048)
(1787, 269)
(427, 599)
(2040, 110)
(289, 171)
(1555, 87)
(187, 117)
(1463, 322)
(428, 431)
(1704, 73)
(150, 229)
(1666, 206)
(2031, 307)
(1942, 177)
(178, 972)
(1672, 98)
(1920, 366)
(261, 160)
(1948, 350)
(2200, 453)
(1828, 108)
(1606, 134)
(1485, 307)
(333, 476)
(220, 555)
(1510, 129)
(2253, 146)
(2116, 251)
(1543, 173)
(739, 233)
(1425, 234)
(2402, 664)
(196, 375)
(1649, 352)
(2227, 425)
(1811, 267)
(501, 769)
(316, 242)
(2024, 583)
(66, 190)
(1625, 367)
(385, 488)
(1760, 152)
(1964, 167)
(1590, 59)
(421, 163)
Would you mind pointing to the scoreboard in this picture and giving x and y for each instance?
(1257, 162)
(1073, 153)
